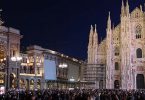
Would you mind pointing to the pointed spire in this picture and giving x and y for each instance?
(122, 3)
(95, 28)
(1, 22)
(109, 22)
(109, 15)
(95, 37)
(91, 35)
(141, 8)
(127, 3)
(127, 8)
(144, 6)
(122, 8)
(91, 30)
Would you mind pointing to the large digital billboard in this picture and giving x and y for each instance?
(49, 69)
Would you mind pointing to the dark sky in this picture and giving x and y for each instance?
(61, 25)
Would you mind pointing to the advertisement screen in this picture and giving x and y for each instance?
(49, 70)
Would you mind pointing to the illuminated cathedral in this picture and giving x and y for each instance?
(122, 51)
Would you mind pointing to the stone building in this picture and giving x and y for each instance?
(38, 68)
(43, 68)
(9, 47)
(122, 51)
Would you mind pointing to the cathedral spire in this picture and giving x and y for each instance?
(122, 8)
(91, 36)
(141, 8)
(127, 8)
(95, 28)
(95, 37)
(109, 22)
(144, 6)
(1, 22)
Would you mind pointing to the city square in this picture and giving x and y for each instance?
(55, 66)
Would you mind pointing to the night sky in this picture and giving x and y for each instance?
(61, 25)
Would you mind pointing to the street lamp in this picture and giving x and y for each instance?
(72, 79)
(16, 59)
(63, 65)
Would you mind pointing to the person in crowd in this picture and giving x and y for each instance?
(76, 94)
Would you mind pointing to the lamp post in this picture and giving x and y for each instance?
(72, 80)
(16, 59)
(63, 66)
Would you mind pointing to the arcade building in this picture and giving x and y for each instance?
(38, 68)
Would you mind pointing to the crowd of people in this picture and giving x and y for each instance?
(76, 94)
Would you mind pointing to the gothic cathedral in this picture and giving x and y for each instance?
(122, 51)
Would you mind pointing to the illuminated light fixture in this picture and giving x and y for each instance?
(62, 55)
(53, 52)
(38, 64)
(16, 58)
(30, 64)
(28, 61)
(4, 58)
(23, 64)
(63, 65)
(74, 59)
(1, 60)
(66, 56)
(72, 79)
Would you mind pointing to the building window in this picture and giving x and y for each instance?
(116, 51)
(139, 53)
(138, 32)
(38, 70)
(31, 70)
(116, 66)
(25, 69)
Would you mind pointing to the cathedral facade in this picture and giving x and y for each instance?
(122, 51)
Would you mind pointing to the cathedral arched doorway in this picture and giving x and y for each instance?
(140, 81)
(116, 84)
(101, 84)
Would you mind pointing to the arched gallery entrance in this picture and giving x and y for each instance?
(140, 81)
(101, 84)
(13, 80)
(116, 84)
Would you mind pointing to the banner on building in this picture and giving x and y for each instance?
(49, 69)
